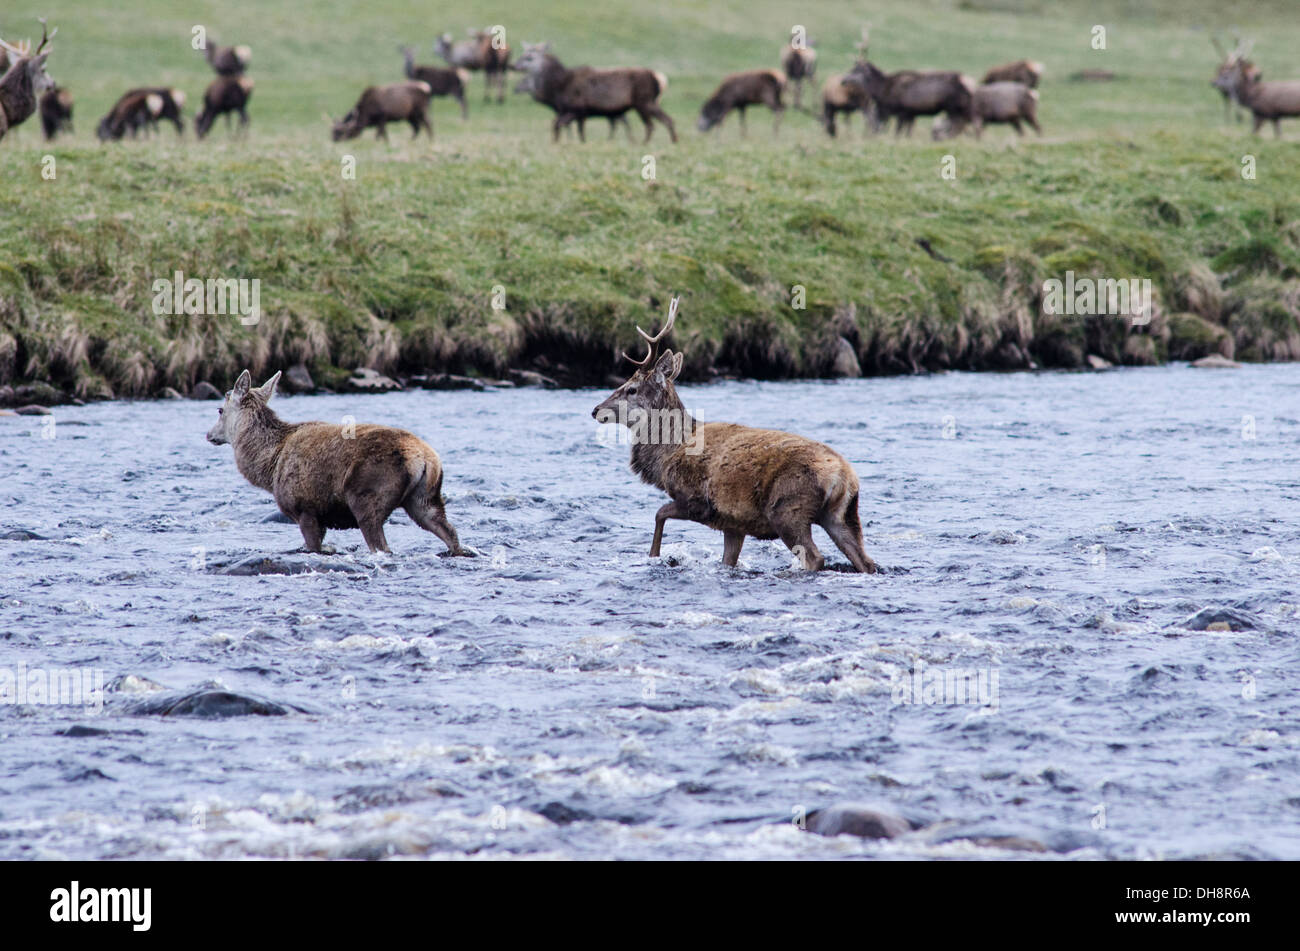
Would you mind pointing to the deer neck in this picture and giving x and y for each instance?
(258, 443)
(654, 454)
(16, 91)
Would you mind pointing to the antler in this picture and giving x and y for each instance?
(46, 35)
(1218, 47)
(652, 342)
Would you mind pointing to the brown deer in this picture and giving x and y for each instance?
(327, 476)
(1225, 76)
(482, 51)
(443, 81)
(228, 60)
(1023, 71)
(739, 91)
(909, 93)
(225, 95)
(799, 63)
(1267, 101)
(740, 481)
(23, 84)
(580, 93)
(1009, 103)
(533, 86)
(839, 98)
(380, 105)
(56, 112)
(141, 109)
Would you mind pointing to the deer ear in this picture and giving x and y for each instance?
(242, 385)
(267, 389)
(664, 367)
(677, 365)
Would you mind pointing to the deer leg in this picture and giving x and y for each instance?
(373, 532)
(1277, 128)
(662, 116)
(433, 518)
(1033, 124)
(798, 538)
(1015, 124)
(464, 106)
(1258, 123)
(671, 510)
(846, 533)
(582, 129)
(743, 130)
(312, 533)
(645, 119)
(731, 545)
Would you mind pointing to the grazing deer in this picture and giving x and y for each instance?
(739, 91)
(140, 109)
(580, 93)
(482, 51)
(1023, 71)
(56, 111)
(740, 481)
(1009, 103)
(799, 63)
(1225, 76)
(228, 60)
(327, 476)
(443, 81)
(380, 105)
(225, 95)
(837, 98)
(909, 93)
(23, 84)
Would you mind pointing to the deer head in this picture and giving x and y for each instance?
(33, 62)
(651, 386)
(226, 428)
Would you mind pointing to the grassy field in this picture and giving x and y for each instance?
(1137, 177)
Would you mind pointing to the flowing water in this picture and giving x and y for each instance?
(565, 695)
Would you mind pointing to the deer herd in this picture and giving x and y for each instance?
(1006, 94)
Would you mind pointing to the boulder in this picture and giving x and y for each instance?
(532, 378)
(1099, 363)
(32, 410)
(204, 390)
(447, 381)
(1216, 361)
(844, 360)
(366, 380)
(39, 393)
(857, 819)
(296, 379)
(169, 394)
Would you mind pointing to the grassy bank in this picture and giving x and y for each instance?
(396, 269)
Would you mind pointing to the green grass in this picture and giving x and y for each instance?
(396, 269)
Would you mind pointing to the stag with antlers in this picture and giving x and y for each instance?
(1230, 65)
(26, 80)
(741, 481)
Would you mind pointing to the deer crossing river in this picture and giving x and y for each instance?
(1083, 635)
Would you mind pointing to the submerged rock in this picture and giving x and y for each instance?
(264, 565)
(1099, 363)
(532, 378)
(447, 381)
(844, 360)
(169, 394)
(857, 819)
(209, 704)
(1220, 619)
(33, 410)
(205, 391)
(21, 535)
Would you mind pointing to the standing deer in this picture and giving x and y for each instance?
(1224, 76)
(1268, 101)
(739, 91)
(443, 81)
(327, 476)
(25, 81)
(225, 95)
(533, 85)
(380, 105)
(909, 93)
(799, 63)
(838, 97)
(141, 109)
(1009, 103)
(579, 93)
(740, 481)
(485, 51)
(56, 112)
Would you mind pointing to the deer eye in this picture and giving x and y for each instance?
(631, 391)
(220, 410)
